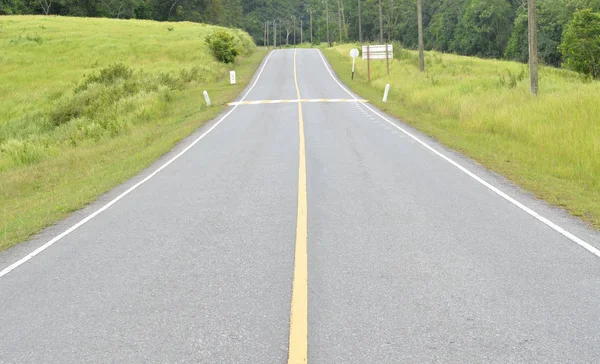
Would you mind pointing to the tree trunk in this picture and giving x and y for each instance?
(533, 47)
(345, 28)
(311, 29)
(360, 38)
(340, 19)
(381, 22)
(327, 20)
(45, 6)
(171, 9)
(420, 25)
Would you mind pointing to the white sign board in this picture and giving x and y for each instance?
(378, 52)
(354, 53)
(232, 77)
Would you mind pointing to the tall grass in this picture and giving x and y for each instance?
(548, 144)
(67, 80)
(87, 103)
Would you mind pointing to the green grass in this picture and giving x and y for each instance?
(72, 127)
(549, 145)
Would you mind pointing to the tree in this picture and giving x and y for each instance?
(341, 20)
(222, 46)
(45, 4)
(327, 20)
(552, 17)
(443, 25)
(391, 17)
(381, 22)
(233, 14)
(485, 28)
(516, 48)
(533, 46)
(581, 43)
(420, 21)
(287, 24)
(360, 34)
(119, 8)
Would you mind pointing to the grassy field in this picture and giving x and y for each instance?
(549, 145)
(87, 103)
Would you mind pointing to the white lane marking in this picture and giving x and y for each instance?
(37, 251)
(587, 246)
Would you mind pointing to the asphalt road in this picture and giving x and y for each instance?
(409, 258)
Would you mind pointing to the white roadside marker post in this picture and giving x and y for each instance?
(353, 53)
(232, 77)
(386, 92)
(206, 98)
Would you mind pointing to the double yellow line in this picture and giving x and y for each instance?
(298, 344)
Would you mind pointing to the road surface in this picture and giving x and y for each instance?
(300, 201)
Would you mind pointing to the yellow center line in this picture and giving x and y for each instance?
(298, 345)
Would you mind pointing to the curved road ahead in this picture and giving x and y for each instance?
(304, 223)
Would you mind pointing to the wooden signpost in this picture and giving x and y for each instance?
(378, 52)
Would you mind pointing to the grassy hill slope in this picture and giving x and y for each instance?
(549, 145)
(87, 103)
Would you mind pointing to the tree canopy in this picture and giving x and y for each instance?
(486, 28)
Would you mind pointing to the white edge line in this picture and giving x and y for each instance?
(592, 249)
(37, 251)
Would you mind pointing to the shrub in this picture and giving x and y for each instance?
(244, 43)
(107, 76)
(581, 43)
(223, 47)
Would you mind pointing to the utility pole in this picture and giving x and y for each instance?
(327, 20)
(359, 24)
(533, 47)
(420, 21)
(381, 22)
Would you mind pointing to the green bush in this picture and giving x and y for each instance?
(99, 95)
(244, 44)
(107, 76)
(223, 46)
(581, 43)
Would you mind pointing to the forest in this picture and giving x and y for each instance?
(484, 28)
